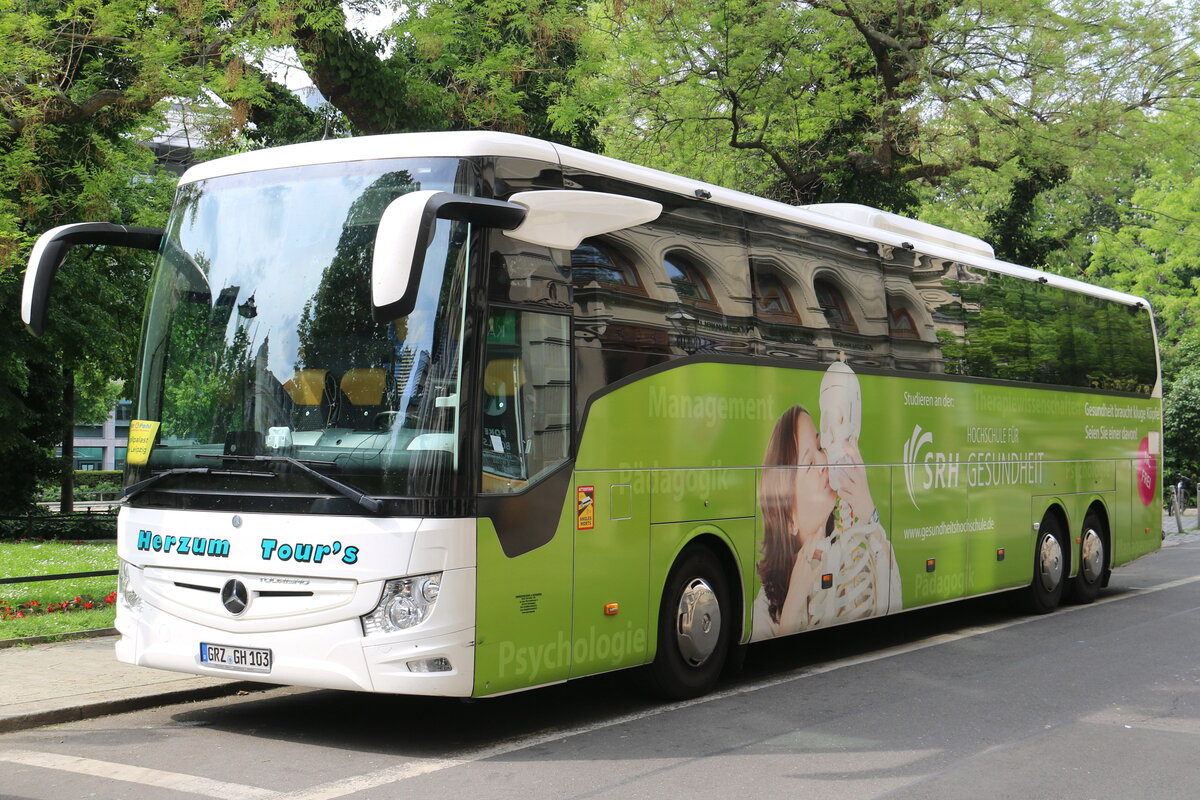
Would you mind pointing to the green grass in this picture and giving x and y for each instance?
(19, 559)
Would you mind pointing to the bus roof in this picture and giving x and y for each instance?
(860, 222)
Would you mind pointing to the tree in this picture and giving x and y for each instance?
(279, 117)
(448, 65)
(1153, 249)
(79, 83)
(893, 104)
(1181, 426)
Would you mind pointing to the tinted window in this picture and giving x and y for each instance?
(999, 326)
(1114, 343)
(819, 295)
(519, 272)
(900, 323)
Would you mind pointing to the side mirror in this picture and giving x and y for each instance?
(562, 218)
(52, 247)
(403, 237)
(552, 218)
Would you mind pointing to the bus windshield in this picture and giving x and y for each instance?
(260, 341)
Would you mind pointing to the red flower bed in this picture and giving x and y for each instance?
(33, 608)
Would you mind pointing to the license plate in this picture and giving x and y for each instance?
(246, 659)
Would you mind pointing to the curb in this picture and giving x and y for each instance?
(58, 637)
(100, 708)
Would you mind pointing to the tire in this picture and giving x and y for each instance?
(695, 622)
(1092, 562)
(1049, 568)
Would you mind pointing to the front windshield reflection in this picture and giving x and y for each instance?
(260, 339)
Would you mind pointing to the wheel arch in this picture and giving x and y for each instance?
(717, 542)
(689, 655)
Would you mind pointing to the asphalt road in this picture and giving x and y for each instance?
(970, 700)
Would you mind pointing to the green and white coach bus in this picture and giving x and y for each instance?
(469, 413)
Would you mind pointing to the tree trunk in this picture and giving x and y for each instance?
(66, 503)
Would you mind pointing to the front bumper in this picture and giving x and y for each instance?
(330, 656)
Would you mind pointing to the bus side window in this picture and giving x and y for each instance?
(503, 442)
(526, 398)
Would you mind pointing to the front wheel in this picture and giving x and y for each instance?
(694, 626)
(1086, 585)
(1049, 568)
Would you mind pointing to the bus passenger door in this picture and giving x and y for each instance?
(524, 543)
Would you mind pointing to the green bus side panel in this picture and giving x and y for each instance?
(1000, 551)
(523, 611)
(959, 471)
(668, 540)
(856, 532)
(684, 495)
(612, 565)
(702, 415)
(930, 540)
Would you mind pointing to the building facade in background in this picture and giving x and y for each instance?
(103, 446)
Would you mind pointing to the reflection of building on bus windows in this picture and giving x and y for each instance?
(780, 328)
(602, 263)
(833, 306)
(914, 339)
(900, 322)
(690, 284)
(772, 300)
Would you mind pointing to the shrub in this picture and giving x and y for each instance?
(60, 526)
(90, 484)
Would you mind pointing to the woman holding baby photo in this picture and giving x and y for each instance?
(797, 508)
(820, 521)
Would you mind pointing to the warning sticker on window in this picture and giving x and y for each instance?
(585, 508)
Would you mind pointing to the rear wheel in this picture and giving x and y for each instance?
(1049, 568)
(1093, 559)
(694, 625)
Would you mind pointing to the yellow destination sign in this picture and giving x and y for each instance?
(141, 439)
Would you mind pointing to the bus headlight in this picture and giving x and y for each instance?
(125, 590)
(406, 602)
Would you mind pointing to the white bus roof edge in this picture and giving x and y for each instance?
(861, 222)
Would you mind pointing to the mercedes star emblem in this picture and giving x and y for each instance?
(235, 596)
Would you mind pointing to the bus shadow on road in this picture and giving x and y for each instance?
(428, 727)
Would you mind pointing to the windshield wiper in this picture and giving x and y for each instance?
(141, 486)
(361, 498)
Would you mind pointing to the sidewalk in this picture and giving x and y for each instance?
(43, 684)
(1187, 519)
